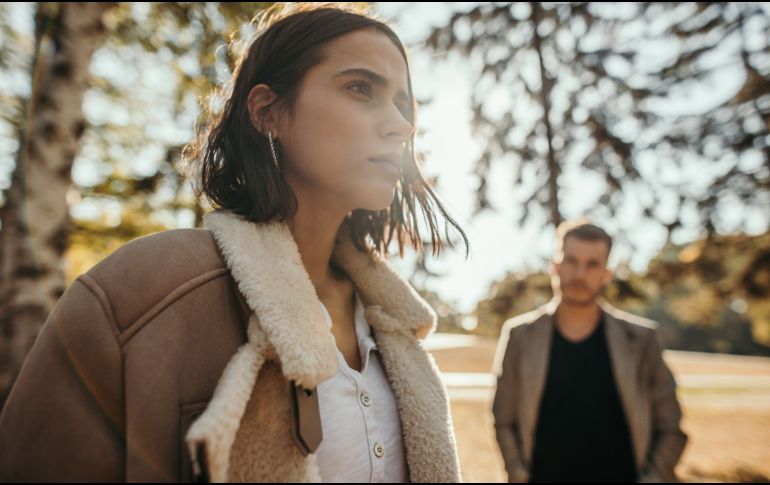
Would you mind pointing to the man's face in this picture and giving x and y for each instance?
(580, 273)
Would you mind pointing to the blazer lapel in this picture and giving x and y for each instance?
(534, 368)
(624, 356)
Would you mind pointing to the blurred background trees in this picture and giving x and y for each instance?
(623, 114)
(48, 124)
(613, 89)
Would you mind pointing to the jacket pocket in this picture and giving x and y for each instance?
(188, 413)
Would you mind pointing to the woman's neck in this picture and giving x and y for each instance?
(314, 229)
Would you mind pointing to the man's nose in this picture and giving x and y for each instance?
(580, 270)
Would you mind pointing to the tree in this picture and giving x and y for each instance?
(534, 56)
(193, 48)
(702, 283)
(513, 295)
(35, 219)
(585, 89)
(729, 139)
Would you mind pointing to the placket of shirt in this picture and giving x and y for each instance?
(373, 434)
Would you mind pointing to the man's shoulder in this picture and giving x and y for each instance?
(634, 322)
(523, 322)
(634, 326)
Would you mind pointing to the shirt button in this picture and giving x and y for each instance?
(366, 400)
(379, 450)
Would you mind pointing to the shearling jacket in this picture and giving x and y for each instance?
(646, 388)
(173, 357)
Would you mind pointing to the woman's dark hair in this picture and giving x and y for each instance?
(235, 170)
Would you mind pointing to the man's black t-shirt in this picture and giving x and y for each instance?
(582, 434)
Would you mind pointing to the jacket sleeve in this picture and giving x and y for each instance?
(63, 420)
(668, 439)
(504, 409)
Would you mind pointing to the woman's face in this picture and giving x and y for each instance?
(344, 140)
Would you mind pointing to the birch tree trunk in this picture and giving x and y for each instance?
(35, 218)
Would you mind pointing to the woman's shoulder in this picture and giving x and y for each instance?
(180, 250)
(151, 267)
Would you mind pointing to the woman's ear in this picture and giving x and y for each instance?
(263, 109)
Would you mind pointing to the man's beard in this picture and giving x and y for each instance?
(587, 301)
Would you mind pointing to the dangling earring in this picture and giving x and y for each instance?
(272, 149)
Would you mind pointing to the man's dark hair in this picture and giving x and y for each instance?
(581, 229)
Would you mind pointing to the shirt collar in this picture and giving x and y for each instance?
(363, 331)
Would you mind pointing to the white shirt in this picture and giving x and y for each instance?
(359, 417)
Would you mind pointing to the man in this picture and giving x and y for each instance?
(583, 393)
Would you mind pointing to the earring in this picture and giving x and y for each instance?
(272, 148)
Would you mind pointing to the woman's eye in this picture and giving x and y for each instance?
(361, 87)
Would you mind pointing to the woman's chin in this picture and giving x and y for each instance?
(376, 198)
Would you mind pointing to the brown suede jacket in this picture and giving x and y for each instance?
(177, 351)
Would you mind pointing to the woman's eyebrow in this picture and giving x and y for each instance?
(372, 76)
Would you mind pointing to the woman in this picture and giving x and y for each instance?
(275, 344)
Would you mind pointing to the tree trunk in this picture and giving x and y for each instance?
(546, 83)
(35, 217)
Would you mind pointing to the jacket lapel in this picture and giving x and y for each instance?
(392, 305)
(624, 355)
(423, 405)
(287, 324)
(534, 369)
(266, 265)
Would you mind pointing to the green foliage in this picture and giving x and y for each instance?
(160, 63)
(594, 93)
